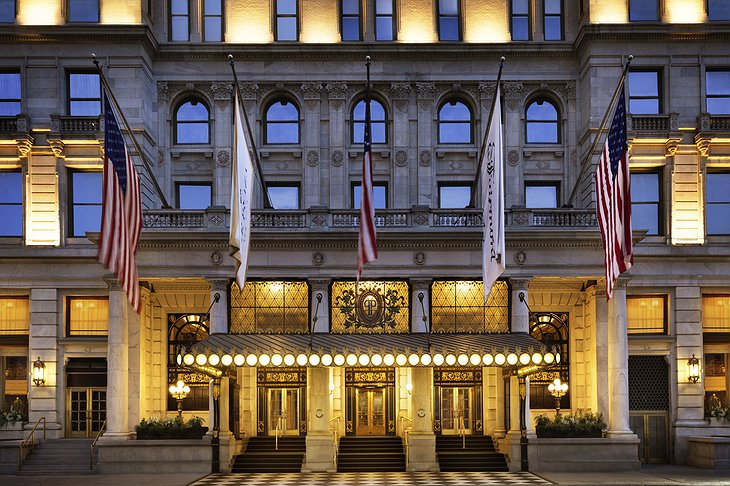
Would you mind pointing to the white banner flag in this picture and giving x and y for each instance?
(493, 202)
(242, 181)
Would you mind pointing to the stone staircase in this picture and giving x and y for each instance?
(261, 455)
(478, 455)
(59, 457)
(371, 454)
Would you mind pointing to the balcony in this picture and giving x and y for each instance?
(417, 218)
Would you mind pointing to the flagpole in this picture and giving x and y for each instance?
(142, 155)
(472, 199)
(584, 164)
(259, 171)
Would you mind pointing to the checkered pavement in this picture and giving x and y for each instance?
(373, 479)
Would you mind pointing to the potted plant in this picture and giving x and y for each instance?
(715, 409)
(155, 428)
(578, 425)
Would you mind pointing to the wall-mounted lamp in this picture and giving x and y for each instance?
(693, 372)
(39, 372)
(332, 388)
(409, 388)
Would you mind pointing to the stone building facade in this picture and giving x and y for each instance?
(302, 78)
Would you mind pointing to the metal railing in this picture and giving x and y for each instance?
(30, 441)
(277, 432)
(406, 432)
(93, 443)
(335, 433)
(462, 431)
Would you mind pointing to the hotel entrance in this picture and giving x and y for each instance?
(370, 401)
(283, 411)
(457, 401)
(282, 401)
(456, 410)
(85, 396)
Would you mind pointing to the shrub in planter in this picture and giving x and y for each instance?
(580, 424)
(14, 415)
(170, 428)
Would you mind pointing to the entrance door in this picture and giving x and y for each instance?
(85, 411)
(651, 428)
(456, 410)
(283, 411)
(370, 411)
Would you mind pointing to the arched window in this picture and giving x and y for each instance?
(282, 122)
(552, 330)
(542, 122)
(377, 122)
(192, 122)
(455, 122)
(183, 331)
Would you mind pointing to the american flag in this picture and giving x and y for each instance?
(121, 210)
(367, 250)
(613, 199)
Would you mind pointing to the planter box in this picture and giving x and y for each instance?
(711, 452)
(598, 454)
(155, 456)
(12, 431)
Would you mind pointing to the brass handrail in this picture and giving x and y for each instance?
(335, 431)
(406, 432)
(277, 431)
(462, 431)
(93, 443)
(31, 439)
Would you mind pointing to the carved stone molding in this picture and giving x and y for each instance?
(337, 159)
(704, 121)
(217, 284)
(573, 157)
(58, 147)
(337, 91)
(513, 158)
(249, 91)
(419, 258)
(162, 90)
(216, 259)
(420, 283)
(486, 89)
(401, 158)
(425, 158)
(318, 259)
(311, 91)
(160, 157)
(426, 90)
(513, 90)
(223, 158)
(221, 91)
(24, 146)
(400, 91)
(312, 158)
(670, 148)
(520, 283)
(113, 283)
(520, 258)
(674, 121)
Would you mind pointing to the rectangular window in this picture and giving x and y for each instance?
(194, 195)
(718, 10)
(384, 20)
(717, 379)
(85, 197)
(8, 11)
(646, 314)
(718, 91)
(270, 307)
(286, 28)
(213, 20)
(520, 19)
(716, 313)
(454, 195)
(84, 94)
(645, 93)
(9, 94)
(643, 10)
(646, 202)
(717, 203)
(458, 306)
(350, 20)
(14, 315)
(82, 10)
(87, 316)
(14, 383)
(553, 19)
(541, 196)
(284, 196)
(179, 21)
(449, 20)
(11, 203)
(380, 195)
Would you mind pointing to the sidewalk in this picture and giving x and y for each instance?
(658, 474)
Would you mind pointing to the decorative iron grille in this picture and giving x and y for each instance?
(183, 331)
(376, 307)
(648, 383)
(270, 307)
(552, 330)
(458, 306)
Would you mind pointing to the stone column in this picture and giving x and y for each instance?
(134, 390)
(320, 320)
(618, 363)
(599, 306)
(117, 392)
(219, 310)
(219, 325)
(320, 446)
(520, 309)
(419, 320)
(499, 431)
(422, 441)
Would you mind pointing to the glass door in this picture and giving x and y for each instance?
(456, 410)
(85, 411)
(370, 411)
(283, 411)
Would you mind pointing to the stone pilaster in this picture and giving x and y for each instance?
(618, 363)
(320, 316)
(419, 319)
(46, 400)
(422, 441)
(320, 445)
(219, 310)
(117, 390)
(520, 309)
(599, 305)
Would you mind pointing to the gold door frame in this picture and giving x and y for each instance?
(373, 412)
(450, 425)
(370, 378)
(90, 416)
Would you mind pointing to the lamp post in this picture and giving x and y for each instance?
(179, 391)
(558, 390)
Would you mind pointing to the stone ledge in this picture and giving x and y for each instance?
(712, 452)
(600, 454)
(155, 456)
